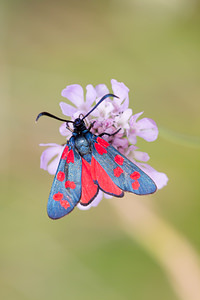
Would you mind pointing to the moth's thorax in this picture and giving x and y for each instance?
(82, 145)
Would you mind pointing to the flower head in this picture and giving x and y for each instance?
(110, 116)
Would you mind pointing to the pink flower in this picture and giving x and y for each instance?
(111, 115)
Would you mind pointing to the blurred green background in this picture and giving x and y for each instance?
(151, 46)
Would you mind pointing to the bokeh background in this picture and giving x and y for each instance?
(131, 248)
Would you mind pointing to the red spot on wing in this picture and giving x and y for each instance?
(119, 159)
(65, 152)
(70, 184)
(61, 176)
(70, 156)
(135, 185)
(103, 179)
(89, 188)
(100, 149)
(135, 175)
(102, 142)
(117, 171)
(64, 203)
(58, 196)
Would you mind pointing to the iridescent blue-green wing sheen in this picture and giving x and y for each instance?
(66, 188)
(122, 172)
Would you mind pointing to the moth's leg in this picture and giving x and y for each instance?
(67, 126)
(105, 133)
(91, 125)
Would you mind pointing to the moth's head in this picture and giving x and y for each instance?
(79, 124)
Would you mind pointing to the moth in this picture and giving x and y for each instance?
(88, 164)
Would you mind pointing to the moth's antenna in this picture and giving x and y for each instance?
(101, 100)
(44, 113)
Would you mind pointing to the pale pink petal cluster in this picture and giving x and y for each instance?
(111, 115)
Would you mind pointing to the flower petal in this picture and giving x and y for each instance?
(142, 156)
(122, 119)
(83, 207)
(120, 90)
(48, 155)
(159, 178)
(94, 203)
(74, 93)
(97, 199)
(147, 129)
(91, 95)
(134, 118)
(107, 196)
(53, 165)
(132, 138)
(120, 142)
(101, 90)
(129, 151)
(67, 109)
(63, 130)
(103, 111)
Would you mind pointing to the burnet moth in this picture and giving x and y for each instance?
(89, 163)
